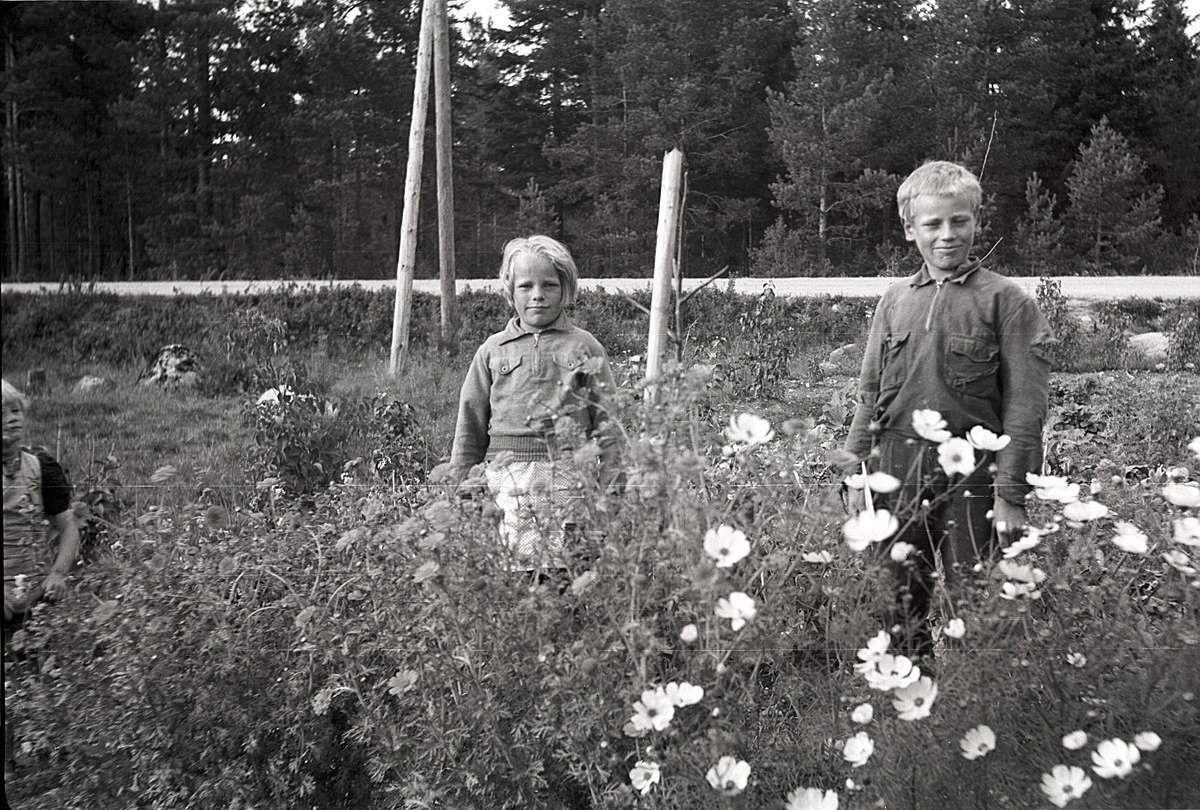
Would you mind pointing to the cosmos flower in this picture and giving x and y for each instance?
(915, 701)
(858, 749)
(1179, 561)
(863, 713)
(891, 672)
(1187, 531)
(1031, 539)
(738, 608)
(1115, 758)
(818, 557)
(729, 775)
(812, 799)
(1053, 488)
(956, 456)
(866, 528)
(901, 551)
(653, 712)
(749, 430)
(877, 647)
(983, 439)
(1077, 660)
(876, 482)
(1084, 511)
(689, 633)
(978, 742)
(955, 628)
(1147, 741)
(644, 776)
(1130, 538)
(930, 425)
(1075, 740)
(726, 545)
(683, 694)
(1065, 783)
(1185, 496)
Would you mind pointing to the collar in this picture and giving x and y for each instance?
(515, 331)
(922, 277)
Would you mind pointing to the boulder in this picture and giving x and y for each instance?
(90, 382)
(176, 366)
(1152, 345)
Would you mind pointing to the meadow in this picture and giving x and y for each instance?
(277, 608)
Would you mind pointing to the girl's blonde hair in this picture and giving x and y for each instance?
(939, 177)
(11, 394)
(553, 251)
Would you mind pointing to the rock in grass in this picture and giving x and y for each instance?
(89, 382)
(1153, 345)
(176, 366)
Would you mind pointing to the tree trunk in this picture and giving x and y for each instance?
(445, 178)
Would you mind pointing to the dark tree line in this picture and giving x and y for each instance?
(267, 138)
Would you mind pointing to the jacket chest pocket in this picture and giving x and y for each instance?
(972, 366)
(506, 378)
(893, 362)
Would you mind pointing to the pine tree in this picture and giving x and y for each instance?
(1114, 210)
(1039, 234)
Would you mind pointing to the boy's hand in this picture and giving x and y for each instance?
(1008, 518)
(54, 586)
(856, 500)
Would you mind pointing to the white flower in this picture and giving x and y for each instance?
(930, 425)
(1179, 561)
(683, 694)
(812, 799)
(858, 749)
(956, 456)
(1084, 511)
(915, 701)
(644, 776)
(1053, 488)
(729, 775)
(1187, 531)
(978, 742)
(1115, 758)
(748, 429)
(1077, 660)
(654, 711)
(738, 608)
(1075, 740)
(689, 633)
(955, 628)
(1194, 446)
(1019, 590)
(1186, 496)
(866, 528)
(883, 482)
(983, 439)
(863, 713)
(877, 647)
(1147, 741)
(1064, 783)
(1130, 538)
(889, 672)
(726, 545)
(1177, 473)
(901, 550)
(818, 557)
(1031, 539)
(1021, 573)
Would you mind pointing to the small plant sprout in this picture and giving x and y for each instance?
(983, 439)
(1075, 740)
(729, 775)
(930, 425)
(978, 742)
(1130, 538)
(915, 701)
(858, 749)
(726, 545)
(1064, 783)
(1114, 759)
(811, 799)
(644, 776)
(738, 607)
(957, 457)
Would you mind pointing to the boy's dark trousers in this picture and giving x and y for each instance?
(953, 524)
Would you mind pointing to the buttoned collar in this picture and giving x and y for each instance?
(515, 330)
(922, 277)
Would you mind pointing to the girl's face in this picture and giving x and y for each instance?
(14, 424)
(537, 291)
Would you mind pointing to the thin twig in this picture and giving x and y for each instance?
(706, 282)
(988, 151)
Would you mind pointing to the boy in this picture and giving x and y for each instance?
(529, 388)
(970, 344)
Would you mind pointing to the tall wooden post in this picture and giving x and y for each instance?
(412, 196)
(445, 177)
(664, 259)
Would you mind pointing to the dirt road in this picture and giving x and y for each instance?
(1073, 287)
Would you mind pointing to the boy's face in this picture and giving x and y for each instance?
(14, 425)
(537, 290)
(943, 226)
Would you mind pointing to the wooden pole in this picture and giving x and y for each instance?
(412, 196)
(664, 255)
(445, 177)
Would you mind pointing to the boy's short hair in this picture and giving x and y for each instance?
(11, 394)
(938, 177)
(552, 250)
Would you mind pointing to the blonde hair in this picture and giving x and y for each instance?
(550, 249)
(11, 394)
(939, 177)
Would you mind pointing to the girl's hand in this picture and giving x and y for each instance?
(1008, 518)
(54, 586)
